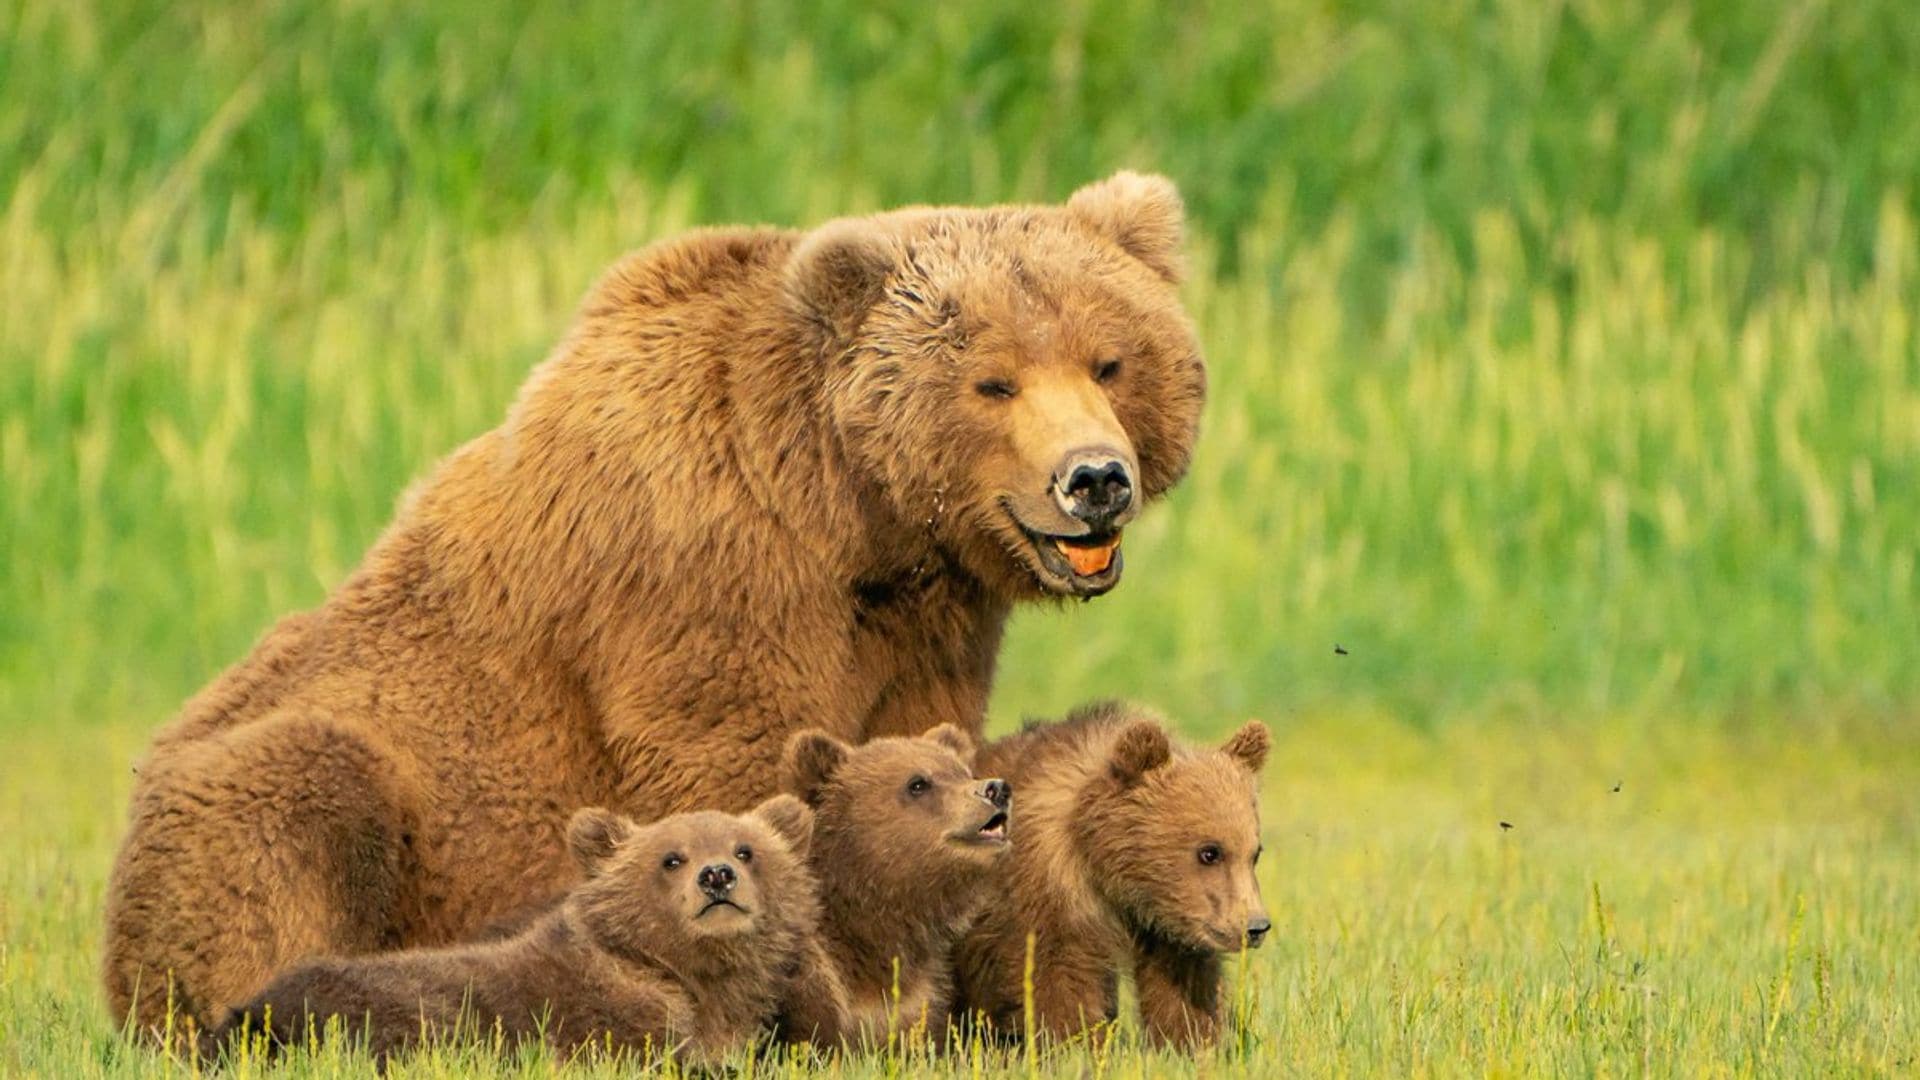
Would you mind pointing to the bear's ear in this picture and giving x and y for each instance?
(951, 737)
(1249, 745)
(594, 834)
(837, 274)
(1141, 748)
(1141, 212)
(811, 759)
(791, 818)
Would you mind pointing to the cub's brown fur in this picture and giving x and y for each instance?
(685, 936)
(1129, 850)
(905, 844)
(769, 480)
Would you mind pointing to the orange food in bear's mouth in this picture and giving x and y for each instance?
(1089, 559)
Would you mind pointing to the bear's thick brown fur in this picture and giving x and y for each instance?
(686, 936)
(769, 480)
(1130, 851)
(905, 844)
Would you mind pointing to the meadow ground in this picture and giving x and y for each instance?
(1672, 900)
(1564, 374)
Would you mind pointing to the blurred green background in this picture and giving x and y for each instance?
(1563, 353)
(1565, 376)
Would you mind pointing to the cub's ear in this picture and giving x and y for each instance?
(1249, 745)
(791, 818)
(837, 274)
(811, 759)
(1141, 212)
(1142, 748)
(594, 834)
(951, 737)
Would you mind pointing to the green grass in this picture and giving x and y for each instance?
(1564, 373)
(1562, 361)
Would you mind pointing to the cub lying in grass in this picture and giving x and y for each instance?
(1129, 850)
(687, 935)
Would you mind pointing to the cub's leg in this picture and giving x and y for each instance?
(814, 1003)
(1075, 985)
(1179, 992)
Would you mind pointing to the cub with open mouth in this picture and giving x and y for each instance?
(906, 840)
(689, 934)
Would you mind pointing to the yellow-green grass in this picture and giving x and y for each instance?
(1624, 492)
(1742, 904)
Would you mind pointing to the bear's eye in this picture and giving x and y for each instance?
(673, 861)
(1210, 854)
(919, 786)
(998, 389)
(1106, 371)
(745, 854)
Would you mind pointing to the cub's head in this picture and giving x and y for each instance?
(1172, 835)
(694, 884)
(903, 812)
(1015, 381)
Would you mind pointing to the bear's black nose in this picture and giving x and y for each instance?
(717, 880)
(998, 792)
(1257, 928)
(1095, 487)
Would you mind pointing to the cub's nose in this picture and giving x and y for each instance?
(1094, 486)
(998, 792)
(1257, 928)
(717, 880)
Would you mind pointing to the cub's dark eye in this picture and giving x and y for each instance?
(672, 862)
(919, 786)
(1106, 371)
(998, 389)
(745, 854)
(1210, 854)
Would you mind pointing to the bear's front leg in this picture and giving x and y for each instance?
(1179, 992)
(933, 656)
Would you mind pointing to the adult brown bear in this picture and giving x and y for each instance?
(770, 480)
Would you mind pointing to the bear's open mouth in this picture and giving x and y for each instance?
(1086, 565)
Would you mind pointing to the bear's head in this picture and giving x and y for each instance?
(701, 888)
(1171, 835)
(905, 815)
(1012, 383)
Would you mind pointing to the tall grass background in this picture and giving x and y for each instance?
(1564, 376)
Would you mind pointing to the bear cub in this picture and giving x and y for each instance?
(906, 844)
(1131, 852)
(686, 936)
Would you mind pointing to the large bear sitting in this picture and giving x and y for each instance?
(770, 480)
